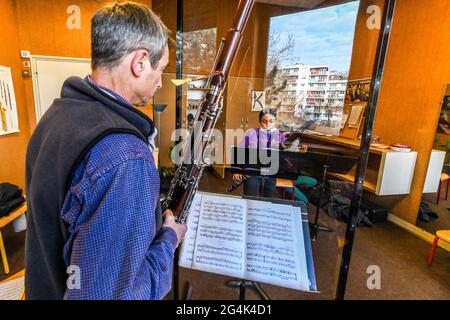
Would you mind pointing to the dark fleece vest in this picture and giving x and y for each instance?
(69, 129)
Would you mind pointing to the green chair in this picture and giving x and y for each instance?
(302, 181)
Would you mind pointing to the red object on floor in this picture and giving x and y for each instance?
(442, 235)
(444, 177)
(285, 183)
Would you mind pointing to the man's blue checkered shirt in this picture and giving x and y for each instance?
(110, 210)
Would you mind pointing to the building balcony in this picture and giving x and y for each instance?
(319, 72)
(317, 80)
(316, 88)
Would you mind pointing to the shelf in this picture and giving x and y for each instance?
(388, 172)
(198, 89)
(369, 186)
(354, 144)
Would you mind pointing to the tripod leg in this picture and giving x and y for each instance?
(187, 291)
(316, 224)
(324, 228)
(243, 284)
(242, 291)
(260, 290)
(317, 227)
(176, 275)
(233, 283)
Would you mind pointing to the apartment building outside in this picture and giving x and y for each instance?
(313, 90)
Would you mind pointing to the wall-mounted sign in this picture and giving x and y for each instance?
(258, 100)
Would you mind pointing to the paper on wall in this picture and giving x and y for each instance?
(8, 109)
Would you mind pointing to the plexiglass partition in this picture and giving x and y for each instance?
(311, 62)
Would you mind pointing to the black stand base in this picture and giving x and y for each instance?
(243, 284)
(316, 227)
(187, 291)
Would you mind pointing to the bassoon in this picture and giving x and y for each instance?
(187, 177)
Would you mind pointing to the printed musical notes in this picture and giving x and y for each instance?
(254, 240)
(221, 225)
(186, 255)
(272, 246)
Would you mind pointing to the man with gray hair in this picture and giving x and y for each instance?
(95, 228)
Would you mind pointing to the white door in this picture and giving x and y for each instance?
(49, 74)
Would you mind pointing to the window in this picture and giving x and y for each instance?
(317, 45)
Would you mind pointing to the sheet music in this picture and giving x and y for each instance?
(299, 244)
(273, 247)
(187, 247)
(219, 246)
(253, 240)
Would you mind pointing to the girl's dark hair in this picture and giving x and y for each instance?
(267, 111)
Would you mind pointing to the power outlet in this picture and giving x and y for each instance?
(25, 54)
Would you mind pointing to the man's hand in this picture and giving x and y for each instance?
(169, 221)
(238, 177)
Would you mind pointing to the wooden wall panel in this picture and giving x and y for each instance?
(39, 27)
(13, 146)
(43, 31)
(166, 95)
(364, 44)
(167, 10)
(417, 71)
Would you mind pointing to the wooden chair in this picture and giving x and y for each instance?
(443, 235)
(285, 183)
(3, 222)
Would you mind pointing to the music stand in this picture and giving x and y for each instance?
(318, 158)
(244, 284)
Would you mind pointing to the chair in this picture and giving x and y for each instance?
(444, 177)
(299, 184)
(286, 185)
(442, 235)
(3, 222)
(13, 288)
